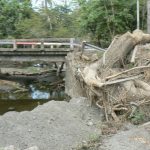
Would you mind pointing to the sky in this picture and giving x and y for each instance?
(38, 3)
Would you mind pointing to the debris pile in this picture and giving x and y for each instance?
(119, 82)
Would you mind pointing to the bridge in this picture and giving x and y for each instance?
(46, 49)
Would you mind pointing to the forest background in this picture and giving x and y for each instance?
(95, 20)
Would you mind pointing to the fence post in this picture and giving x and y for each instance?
(52, 46)
(14, 45)
(33, 46)
(83, 45)
(42, 44)
(72, 43)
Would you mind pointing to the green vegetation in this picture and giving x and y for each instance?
(104, 19)
(93, 143)
(138, 117)
(97, 20)
(11, 13)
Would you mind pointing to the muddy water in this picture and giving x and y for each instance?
(38, 91)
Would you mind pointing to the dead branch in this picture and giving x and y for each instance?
(137, 88)
(126, 71)
(134, 54)
(114, 116)
(121, 80)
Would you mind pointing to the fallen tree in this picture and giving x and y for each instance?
(116, 83)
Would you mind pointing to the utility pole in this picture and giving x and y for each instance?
(138, 14)
(148, 16)
(45, 4)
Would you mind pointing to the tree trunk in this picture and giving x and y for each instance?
(118, 50)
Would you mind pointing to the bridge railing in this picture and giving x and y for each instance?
(86, 45)
(41, 44)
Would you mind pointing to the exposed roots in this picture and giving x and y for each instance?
(113, 87)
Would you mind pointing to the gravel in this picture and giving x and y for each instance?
(137, 138)
(52, 126)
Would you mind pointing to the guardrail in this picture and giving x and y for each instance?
(88, 45)
(43, 43)
(46, 43)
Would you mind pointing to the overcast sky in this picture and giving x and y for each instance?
(37, 3)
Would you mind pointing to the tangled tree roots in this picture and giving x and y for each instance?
(118, 83)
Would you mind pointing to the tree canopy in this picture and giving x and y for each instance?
(11, 13)
(103, 19)
(99, 20)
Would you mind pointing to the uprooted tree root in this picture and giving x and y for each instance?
(112, 85)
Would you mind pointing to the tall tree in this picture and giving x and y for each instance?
(45, 4)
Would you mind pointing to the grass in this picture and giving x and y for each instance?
(91, 144)
(138, 117)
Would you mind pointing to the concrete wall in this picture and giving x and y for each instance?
(73, 86)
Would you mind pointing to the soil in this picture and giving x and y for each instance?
(52, 126)
(68, 126)
(136, 138)
(130, 137)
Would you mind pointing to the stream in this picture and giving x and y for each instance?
(38, 91)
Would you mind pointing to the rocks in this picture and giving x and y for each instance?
(11, 147)
(9, 85)
(33, 148)
(90, 123)
(137, 138)
(85, 58)
(94, 57)
(56, 125)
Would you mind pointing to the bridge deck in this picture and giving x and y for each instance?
(52, 49)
